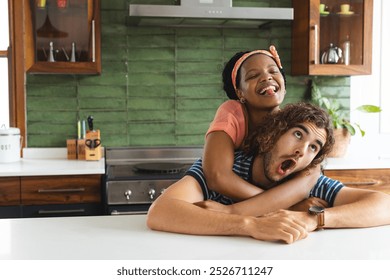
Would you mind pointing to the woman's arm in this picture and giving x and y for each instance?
(217, 166)
(218, 159)
(282, 196)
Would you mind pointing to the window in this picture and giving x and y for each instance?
(385, 69)
(4, 43)
(372, 89)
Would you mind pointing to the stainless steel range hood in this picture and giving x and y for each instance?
(215, 13)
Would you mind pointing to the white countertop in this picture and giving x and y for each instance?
(50, 161)
(355, 162)
(53, 161)
(127, 237)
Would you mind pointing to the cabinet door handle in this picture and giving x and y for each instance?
(316, 47)
(60, 190)
(116, 212)
(67, 211)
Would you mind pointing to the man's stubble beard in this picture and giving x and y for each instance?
(267, 159)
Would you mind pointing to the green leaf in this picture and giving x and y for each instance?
(362, 132)
(350, 128)
(369, 109)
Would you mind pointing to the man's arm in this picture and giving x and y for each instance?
(358, 208)
(352, 208)
(174, 211)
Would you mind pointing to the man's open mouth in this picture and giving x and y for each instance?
(287, 165)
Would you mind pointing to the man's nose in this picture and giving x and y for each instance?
(299, 150)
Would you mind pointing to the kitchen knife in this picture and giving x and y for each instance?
(90, 123)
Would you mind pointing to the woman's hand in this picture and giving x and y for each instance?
(305, 204)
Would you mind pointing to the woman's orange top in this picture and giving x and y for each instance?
(231, 119)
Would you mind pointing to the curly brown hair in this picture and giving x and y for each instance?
(264, 138)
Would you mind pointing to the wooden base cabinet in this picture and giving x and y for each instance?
(61, 210)
(49, 196)
(10, 197)
(374, 179)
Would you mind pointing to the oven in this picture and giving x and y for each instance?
(136, 176)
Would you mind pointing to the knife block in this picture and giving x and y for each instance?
(71, 145)
(81, 149)
(93, 153)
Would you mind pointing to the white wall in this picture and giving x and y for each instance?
(373, 90)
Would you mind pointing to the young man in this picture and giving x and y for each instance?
(291, 140)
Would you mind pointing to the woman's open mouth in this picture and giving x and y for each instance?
(268, 90)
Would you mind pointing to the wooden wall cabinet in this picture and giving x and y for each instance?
(374, 179)
(59, 25)
(313, 32)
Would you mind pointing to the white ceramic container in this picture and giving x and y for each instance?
(10, 144)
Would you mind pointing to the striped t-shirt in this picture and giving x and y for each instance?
(325, 188)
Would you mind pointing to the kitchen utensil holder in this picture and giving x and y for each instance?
(94, 152)
(81, 149)
(71, 145)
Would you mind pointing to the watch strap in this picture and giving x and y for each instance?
(320, 213)
(321, 220)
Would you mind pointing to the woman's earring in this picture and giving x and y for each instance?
(242, 100)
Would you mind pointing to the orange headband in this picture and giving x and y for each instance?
(271, 53)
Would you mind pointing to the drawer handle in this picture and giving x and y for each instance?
(67, 211)
(116, 212)
(60, 190)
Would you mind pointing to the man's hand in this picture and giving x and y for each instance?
(282, 225)
(305, 204)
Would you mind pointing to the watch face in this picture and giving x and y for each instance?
(317, 209)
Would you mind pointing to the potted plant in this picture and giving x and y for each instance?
(343, 128)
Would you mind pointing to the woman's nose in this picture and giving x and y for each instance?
(266, 77)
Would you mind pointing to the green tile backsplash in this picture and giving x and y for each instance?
(159, 86)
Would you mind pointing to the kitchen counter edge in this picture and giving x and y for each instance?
(50, 161)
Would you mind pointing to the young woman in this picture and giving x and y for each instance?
(255, 82)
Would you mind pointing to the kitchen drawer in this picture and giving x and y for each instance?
(60, 189)
(9, 191)
(374, 179)
(10, 212)
(62, 210)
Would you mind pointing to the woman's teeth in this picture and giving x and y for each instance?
(268, 90)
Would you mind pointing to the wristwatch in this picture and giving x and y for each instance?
(320, 213)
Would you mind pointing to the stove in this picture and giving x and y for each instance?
(135, 177)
